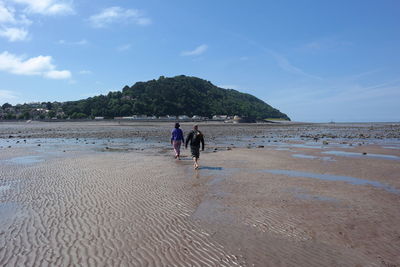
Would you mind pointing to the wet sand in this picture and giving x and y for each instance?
(264, 196)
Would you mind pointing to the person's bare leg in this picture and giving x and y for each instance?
(196, 164)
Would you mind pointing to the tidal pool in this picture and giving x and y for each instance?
(360, 155)
(328, 177)
(26, 160)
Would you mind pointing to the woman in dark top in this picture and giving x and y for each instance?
(177, 140)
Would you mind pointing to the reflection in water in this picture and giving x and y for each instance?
(392, 147)
(360, 155)
(328, 177)
(210, 168)
(25, 160)
(303, 156)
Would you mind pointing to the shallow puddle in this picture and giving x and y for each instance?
(27, 160)
(392, 147)
(210, 168)
(328, 177)
(315, 197)
(303, 156)
(360, 155)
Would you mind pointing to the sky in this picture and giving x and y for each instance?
(315, 60)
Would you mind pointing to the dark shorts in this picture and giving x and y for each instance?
(195, 150)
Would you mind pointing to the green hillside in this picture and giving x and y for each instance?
(180, 95)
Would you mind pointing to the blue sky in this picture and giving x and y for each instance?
(316, 60)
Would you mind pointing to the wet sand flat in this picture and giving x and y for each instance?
(278, 210)
(109, 209)
(297, 195)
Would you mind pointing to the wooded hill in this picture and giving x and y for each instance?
(180, 95)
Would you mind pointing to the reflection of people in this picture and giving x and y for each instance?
(195, 137)
(177, 139)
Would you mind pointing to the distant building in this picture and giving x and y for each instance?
(99, 118)
(199, 118)
(183, 117)
(34, 104)
(220, 117)
(236, 119)
(170, 117)
(141, 117)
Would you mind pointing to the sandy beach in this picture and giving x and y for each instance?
(111, 194)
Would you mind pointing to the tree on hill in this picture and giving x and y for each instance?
(180, 95)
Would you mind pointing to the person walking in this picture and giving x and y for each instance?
(195, 137)
(177, 139)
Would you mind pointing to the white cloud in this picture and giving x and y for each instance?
(10, 24)
(47, 7)
(84, 72)
(6, 95)
(81, 42)
(14, 34)
(58, 74)
(327, 43)
(6, 14)
(196, 52)
(124, 47)
(40, 65)
(284, 64)
(118, 15)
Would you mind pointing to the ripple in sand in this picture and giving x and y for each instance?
(4, 188)
(9, 212)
